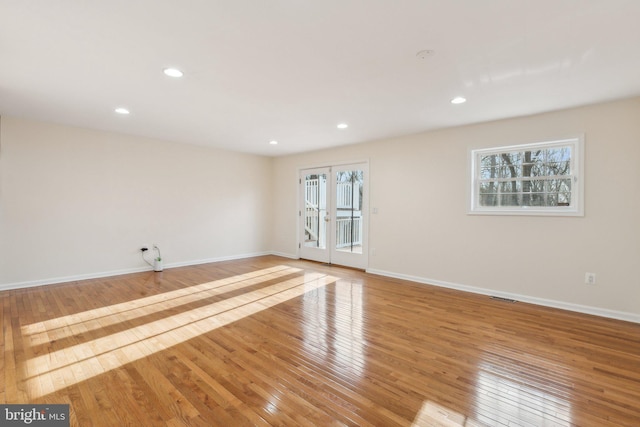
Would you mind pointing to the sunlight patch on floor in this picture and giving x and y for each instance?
(73, 324)
(506, 399)
(62, 368)
(431, 414)
(501, 399)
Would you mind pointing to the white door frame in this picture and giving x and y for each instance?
(330, 254)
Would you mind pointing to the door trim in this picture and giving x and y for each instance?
(358, 260)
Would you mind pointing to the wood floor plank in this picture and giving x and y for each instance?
(272, 341)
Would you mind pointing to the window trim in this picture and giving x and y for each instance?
(577, 166)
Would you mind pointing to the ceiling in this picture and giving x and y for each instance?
(291, 70)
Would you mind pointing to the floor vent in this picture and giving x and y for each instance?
(503, 299)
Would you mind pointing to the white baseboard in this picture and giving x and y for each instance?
(217, 259)
(75, 278)
(620, 315)
(596, 311)
(284, 255)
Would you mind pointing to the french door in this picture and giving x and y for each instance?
(333, 215)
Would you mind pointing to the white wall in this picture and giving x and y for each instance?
(77, 202)
(424, 232)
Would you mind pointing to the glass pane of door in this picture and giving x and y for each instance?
(349, 211)
(315, 210)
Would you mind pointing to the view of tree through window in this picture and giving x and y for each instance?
(538, 176)
(527, 178)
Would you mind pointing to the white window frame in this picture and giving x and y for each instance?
(576, 207)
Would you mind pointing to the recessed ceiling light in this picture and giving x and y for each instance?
(273, 142)
(121, 110)
(343, 126)
(458, 100)
(173, 72)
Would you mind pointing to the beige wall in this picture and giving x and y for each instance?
(422, 229)
(79, 202)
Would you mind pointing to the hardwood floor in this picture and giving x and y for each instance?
(272, 341)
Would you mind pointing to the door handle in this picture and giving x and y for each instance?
(327, 218)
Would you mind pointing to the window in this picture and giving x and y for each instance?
(532, 179)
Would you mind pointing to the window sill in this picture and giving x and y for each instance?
(528, 212)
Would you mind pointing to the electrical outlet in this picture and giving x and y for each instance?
(590, 278)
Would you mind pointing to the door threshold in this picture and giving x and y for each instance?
(329, 264)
